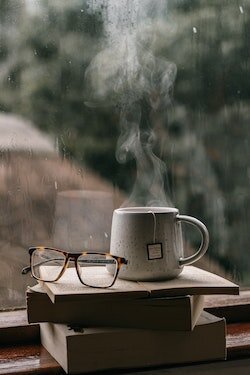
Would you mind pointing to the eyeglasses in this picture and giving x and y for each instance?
(97, 270)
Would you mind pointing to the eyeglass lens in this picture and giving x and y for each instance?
(47, 264)
(97, 270)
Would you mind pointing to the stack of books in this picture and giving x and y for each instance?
(130, 325)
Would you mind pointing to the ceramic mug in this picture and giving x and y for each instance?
(150, 238)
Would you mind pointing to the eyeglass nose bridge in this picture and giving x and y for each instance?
(73, 258)
(68, 259)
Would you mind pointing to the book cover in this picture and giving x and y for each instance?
(82, 350)
(191, 281)
(177, 313)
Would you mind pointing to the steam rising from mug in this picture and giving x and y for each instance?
(127, 74)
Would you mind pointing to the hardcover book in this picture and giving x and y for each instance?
(81, 350)
(169, 313)
(191, 281)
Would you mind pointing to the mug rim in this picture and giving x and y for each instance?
(146, 210)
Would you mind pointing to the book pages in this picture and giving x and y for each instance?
(191, 281)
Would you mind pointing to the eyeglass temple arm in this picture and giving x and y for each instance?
(102, 261)
(27, 269)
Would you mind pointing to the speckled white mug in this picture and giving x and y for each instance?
(150, 238)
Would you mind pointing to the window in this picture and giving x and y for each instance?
(100, 98)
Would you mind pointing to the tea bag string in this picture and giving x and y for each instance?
(154, 217)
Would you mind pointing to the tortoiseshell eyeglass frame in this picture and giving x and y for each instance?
(70, 256)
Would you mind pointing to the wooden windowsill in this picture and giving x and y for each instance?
(21, 352)
(234, 308)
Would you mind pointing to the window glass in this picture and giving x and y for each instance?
(106, 103)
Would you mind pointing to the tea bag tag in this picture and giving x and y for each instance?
(154, 251)
(155, 248)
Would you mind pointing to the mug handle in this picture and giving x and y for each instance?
(204, 241)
